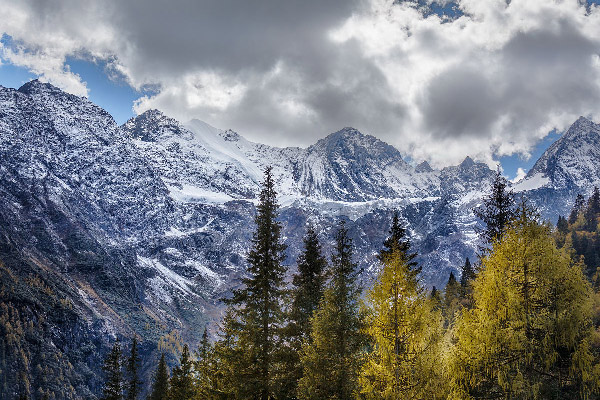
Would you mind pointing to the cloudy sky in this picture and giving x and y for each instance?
(439, 80)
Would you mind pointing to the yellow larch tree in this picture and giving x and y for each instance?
(528, 334)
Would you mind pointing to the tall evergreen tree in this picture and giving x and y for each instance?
(308, 285)
(113, 384)
(181, 386)
(133, 366)
(562, 225)
(497, 210)
(592, 211)
(406, 335)
(229, 358)
(452, 297)
(578, 208)
(331, 360)
(468, 274)
(397, 240)
(160, 386)
(204, 366)
(594, 201)
(260, 301)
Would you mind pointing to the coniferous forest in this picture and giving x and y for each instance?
(520, 323)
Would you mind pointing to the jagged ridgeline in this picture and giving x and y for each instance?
(110, 230)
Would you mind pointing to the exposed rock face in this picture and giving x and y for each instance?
(571, 165)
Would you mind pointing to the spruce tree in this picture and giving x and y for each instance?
(406, 335)
(204, 368)
(578, 207)
(593, 204)
(397, 240)
(259, 302)
(452, 297)
(497, 210)
(466, 284)
(468, 274)
(160, 386)
(436, 298)
(529, 333)
(592, 211)
(133, 365)
(308, 285)
(331, 359)
(229, 358)
(113, 384)
(181, 386)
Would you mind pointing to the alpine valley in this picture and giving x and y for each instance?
(141, 229)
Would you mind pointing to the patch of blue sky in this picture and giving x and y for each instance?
(446, 10)
(511, 164)
(12, 76)
(105, 88)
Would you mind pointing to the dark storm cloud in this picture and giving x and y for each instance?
(228, 35)
(534, 73)
(350, 91)
(459, 102)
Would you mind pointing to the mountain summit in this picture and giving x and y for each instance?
(572, 161)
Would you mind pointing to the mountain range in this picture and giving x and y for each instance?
(141, 229)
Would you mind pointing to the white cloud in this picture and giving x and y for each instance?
(488, 83)
(520, 175)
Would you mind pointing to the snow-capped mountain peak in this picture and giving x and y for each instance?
(572, 161)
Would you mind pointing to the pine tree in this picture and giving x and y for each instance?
(160, 386)
(262, 318)
(468, 274)
(592, 211)
(331, 359)
(406, 333)
(229, 358)
(578, 207)
(113, 384)
(528, 334)
(397, 240)
(308, 286)
(133, 366)
(562, 225)
(182, 379)
(205, 369)
(593, 204)
(452, 297)
(497, 210)
(436, 299)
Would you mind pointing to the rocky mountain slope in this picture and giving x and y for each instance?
(110, 230)
(571, 165)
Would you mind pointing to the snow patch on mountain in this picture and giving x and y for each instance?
(531, 182)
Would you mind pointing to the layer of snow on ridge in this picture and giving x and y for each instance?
(193, 194)
(223, 150)
(174, 232)
(535, 182)
(172, 278)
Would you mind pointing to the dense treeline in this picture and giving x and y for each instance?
(518, 324)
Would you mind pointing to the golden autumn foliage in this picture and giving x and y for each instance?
(406, 334)
(528, 334)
